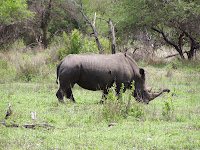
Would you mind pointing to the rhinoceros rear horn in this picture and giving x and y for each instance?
(149, 89)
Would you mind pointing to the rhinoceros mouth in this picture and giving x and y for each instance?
(145, 97)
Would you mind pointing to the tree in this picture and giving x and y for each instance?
(43, 9)
(100, 7)
(12, 13)
(112, 27)
(177, 21)
(51, 17)
(182, 22)
(92, 25)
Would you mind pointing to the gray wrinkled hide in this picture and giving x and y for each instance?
(99, 72)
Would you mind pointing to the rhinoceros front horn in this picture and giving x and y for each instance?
(151, 96)
(145, 96)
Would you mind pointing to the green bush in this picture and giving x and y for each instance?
(34, 68)
(106, 45)
(89, 46)
(111, 109)
(27, 70)
(76, 43)
(168, 109)
(137, 110)
(121, 106)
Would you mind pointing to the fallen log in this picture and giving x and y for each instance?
(31, 126)
(175, 54)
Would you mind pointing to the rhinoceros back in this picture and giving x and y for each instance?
(95, 71)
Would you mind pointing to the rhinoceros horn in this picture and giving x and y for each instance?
(154, 95)
(145, 96)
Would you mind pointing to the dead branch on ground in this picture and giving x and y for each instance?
(30, 126)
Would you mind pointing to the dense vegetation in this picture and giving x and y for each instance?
(153, 23)
(36, 34)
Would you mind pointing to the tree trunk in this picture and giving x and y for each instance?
(177, 47)
(194, 44)
(113, 36)
(180, 53)
(45, 19)
(190, 54)
(44, 39)
(92, 26)
(98, 44)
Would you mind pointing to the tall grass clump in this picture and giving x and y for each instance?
(34, 68)
(168, 109)
(121, 106)
(7, 72)
(27, 70)
(30, 66)
(113, 109)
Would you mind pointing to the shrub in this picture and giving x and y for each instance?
(106, 45)
(76, 43)
(111, 110)
(89, 46)
(33, 68)
(168, 109)
(121, 106)
(27, 70)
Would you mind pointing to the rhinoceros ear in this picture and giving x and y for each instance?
(142, 72)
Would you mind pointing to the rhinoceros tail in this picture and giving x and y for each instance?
(58, 68)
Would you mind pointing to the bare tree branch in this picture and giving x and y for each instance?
(104, 20)
(95, 15)
(116, 23)
(175, 54)
(177, 47)
(112, 32)
(91, 24)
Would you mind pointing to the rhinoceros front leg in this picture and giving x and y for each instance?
(59, 95)
(68, 94)
(105, 93)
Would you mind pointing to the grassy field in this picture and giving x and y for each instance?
(171, 121)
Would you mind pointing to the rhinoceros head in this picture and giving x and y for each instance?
(141, 92)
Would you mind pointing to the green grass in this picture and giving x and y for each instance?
(168, 122)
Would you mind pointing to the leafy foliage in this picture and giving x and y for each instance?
(135, 19)
(177, 21)
(13, 11)
(75, 43)
(119, 107)
(168, 109)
